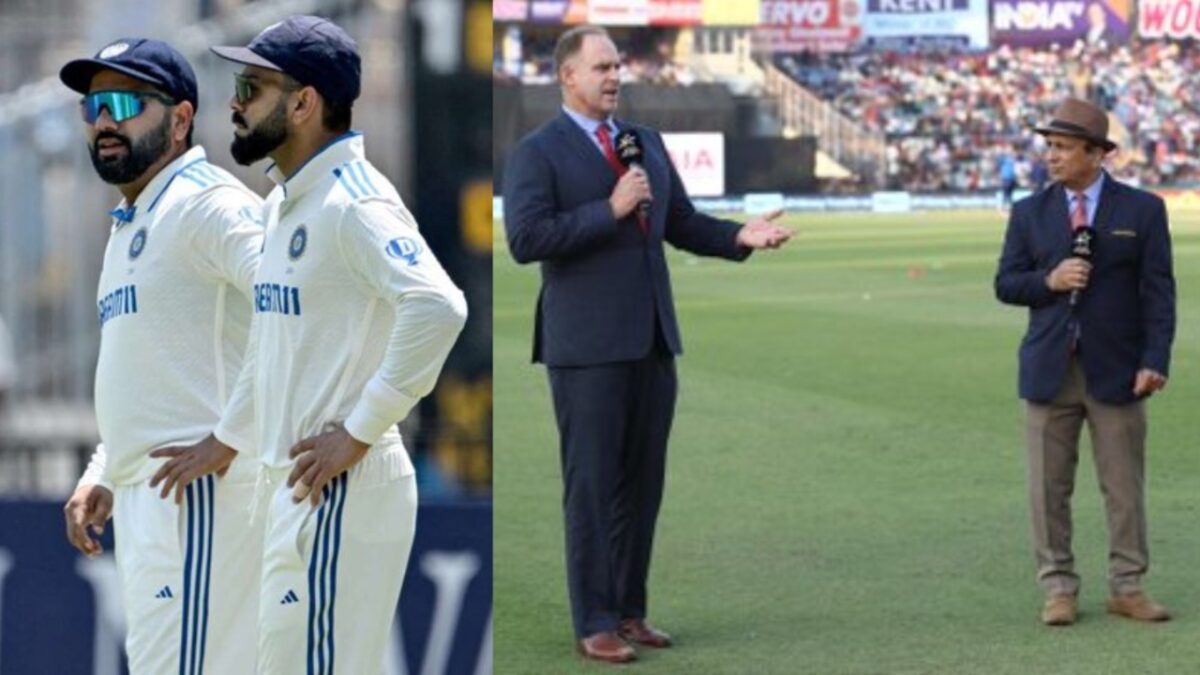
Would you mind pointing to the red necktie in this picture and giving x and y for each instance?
(609, 153)
(611, 156)
(1079, 219)
(1079, 216)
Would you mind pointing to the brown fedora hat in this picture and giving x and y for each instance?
(1075, 117)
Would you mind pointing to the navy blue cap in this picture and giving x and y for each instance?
(151, 61)
(314, 51)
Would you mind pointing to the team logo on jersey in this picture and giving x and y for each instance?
(404, 248)
(138, 244)
(298, 243)
(115, 49)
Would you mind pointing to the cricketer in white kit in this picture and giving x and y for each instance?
(174, 306)
(354, 319)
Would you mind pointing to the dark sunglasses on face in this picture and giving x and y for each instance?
(245, 88)
(122, 105)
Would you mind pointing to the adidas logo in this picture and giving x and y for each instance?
(164, 593)
(290, 598)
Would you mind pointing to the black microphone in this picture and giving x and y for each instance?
(1081, 247)
(629, 153)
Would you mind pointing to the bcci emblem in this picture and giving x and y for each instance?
(404, 248)
(113, 50)
(299, 241)
(138, 244)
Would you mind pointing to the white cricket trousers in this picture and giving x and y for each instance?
(189, 575)
(331, 574)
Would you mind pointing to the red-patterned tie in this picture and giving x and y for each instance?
(611, 155)
(1079, 219)
(1079, 216)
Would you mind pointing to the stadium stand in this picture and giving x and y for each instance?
(924, 121)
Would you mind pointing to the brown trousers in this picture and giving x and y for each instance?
(1118, 434)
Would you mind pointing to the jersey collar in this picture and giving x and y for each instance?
(154, 190)
(345, 148)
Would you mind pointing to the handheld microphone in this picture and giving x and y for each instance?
(629, 153)
(1081, 247)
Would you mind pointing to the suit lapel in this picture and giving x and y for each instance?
(1059, 220)
(1107, 201)
(583, 146)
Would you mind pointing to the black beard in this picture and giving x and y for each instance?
(138, 157)
(262, 139)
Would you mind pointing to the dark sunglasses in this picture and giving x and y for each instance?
(245, 89)
(122, 105)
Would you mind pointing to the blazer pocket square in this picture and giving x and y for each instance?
(1132, 234)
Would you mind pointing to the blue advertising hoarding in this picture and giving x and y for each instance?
(61, 614)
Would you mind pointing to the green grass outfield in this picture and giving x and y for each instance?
(845, 487)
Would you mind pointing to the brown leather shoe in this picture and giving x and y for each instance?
(606, 646)
(1060, 609)
(637, 630)
(1137, 606)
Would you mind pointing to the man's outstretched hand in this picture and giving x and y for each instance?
(763, 232)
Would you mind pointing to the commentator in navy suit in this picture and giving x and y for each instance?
(606, 328)
(1091, 259)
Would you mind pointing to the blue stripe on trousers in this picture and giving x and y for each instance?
(331, 498)
(312, 587)
(337, 543)
(208, 551)
(187, 583)
(322, 577)
(197, 577)
(197, 573)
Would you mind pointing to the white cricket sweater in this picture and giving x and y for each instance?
(354, 316)
(174, 304)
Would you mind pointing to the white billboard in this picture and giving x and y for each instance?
(700, 160)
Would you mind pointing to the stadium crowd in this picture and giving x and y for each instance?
(951, 117)
(954, 119)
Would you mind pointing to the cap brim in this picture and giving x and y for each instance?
(244, 55)
(78, 74)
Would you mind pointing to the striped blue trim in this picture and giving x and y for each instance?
(202, 174)
(197, 576)
(323, 581)
(349, 170)
(322, 577)
(345, 185)
(312, 581)
(170, 180)
(187, 580)
(195, 179)
(208, 547)
(197, 573)
(211, 173)
(362, 171)
(337, 545)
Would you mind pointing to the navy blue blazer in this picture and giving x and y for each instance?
(605, 284)
(1126, 315)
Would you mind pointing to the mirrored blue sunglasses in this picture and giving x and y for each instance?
(122, 105)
